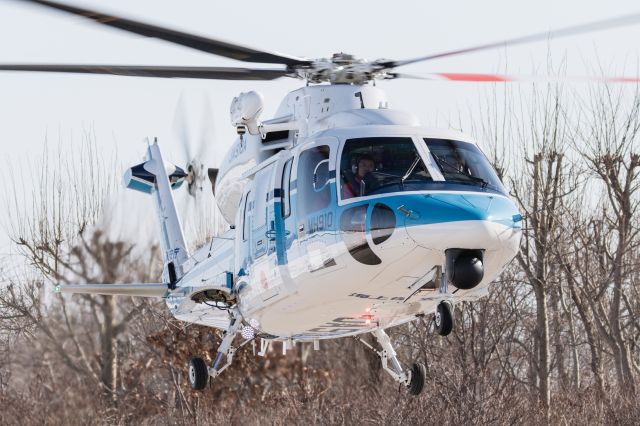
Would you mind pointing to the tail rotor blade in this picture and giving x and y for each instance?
(206, 129)
(181, 129)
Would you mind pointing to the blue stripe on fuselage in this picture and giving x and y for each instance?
(442, 207)
(436, 208)
(411, 209)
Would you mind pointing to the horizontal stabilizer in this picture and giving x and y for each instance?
(140, 178)
(139, 290)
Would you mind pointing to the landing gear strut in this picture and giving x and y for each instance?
(413, 378)
(198, 371)
(443, 317)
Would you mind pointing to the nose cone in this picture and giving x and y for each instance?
(474, 221)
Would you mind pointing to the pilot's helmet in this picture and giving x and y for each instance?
(361, 157)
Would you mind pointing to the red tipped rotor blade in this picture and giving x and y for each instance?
(475, 77)
(502, 78)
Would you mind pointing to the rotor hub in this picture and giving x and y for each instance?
(195, 177)
(344, 68)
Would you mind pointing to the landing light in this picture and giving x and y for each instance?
(368, 318)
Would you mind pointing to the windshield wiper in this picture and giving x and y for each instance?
(411, 168)
(441, 162)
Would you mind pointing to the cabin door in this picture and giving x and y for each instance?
(315, 205)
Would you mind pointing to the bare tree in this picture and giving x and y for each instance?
(611, 151)
(556, 341)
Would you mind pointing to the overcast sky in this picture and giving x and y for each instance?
(124, 110)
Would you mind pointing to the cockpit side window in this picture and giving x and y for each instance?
(314, 191)
(379, 165)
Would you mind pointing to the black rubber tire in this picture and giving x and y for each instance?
(444, 319)
(198, 373)
(418, 376)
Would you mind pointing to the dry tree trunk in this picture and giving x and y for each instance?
(573, 338)
(611, 153)
(57, 244)
(542, 188)
(536, 257)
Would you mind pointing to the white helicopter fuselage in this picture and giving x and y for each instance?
(346, 216)
(306, 261)
(306, 112)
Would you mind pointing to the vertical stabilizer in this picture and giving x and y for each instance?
(174, 248)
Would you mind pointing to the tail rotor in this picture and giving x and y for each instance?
(193, 129)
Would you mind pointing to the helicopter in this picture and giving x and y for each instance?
(347, 217)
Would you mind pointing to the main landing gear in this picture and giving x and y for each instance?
(413, 378)
(199, 373)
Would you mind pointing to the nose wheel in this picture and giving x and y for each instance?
(443, 319)
(198, 373)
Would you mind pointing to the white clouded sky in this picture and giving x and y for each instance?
(124, 110)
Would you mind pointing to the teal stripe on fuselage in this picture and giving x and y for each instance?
(415, 209)
(434, 208)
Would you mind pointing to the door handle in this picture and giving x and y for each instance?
(410, 214)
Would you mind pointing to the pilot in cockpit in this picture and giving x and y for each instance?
(353, 184)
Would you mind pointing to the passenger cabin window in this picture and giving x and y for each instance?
(286, 189)
(262, 189)
(314, 191)
(380, 165)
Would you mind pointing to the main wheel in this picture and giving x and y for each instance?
(418, 375)
(198, 373)
(444, 319)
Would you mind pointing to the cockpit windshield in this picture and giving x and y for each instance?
(463, 163)
(378, 165)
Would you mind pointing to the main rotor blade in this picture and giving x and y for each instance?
(208, 73)
(564, 32)
(502, 78)
(209, 45)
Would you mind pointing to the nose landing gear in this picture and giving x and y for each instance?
(443, 319)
